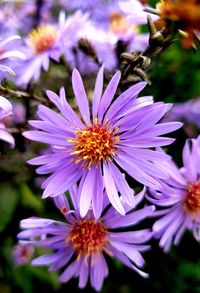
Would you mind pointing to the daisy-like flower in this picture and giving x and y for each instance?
(49, 41)
(115, 23)
(179, 198)
(79, 244)
(5, 111)
(93, 150)
(6, 53)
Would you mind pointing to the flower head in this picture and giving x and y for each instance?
(49, 41)
(43, 38)
(179, 199)
(92, 150)
(5, 111)
(79, 244)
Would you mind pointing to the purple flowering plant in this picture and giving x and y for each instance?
(80, 243)
(78, 104)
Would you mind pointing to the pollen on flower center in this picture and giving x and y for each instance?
(43, 38)
(88, 237)
(192, 199)
(94, 143)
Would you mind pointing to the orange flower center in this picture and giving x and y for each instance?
(43, 38)
(192, 200)
(88, 237)
(119, 24)
(93, 144)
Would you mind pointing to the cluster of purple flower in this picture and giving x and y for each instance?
(115, 135)
(93, 151)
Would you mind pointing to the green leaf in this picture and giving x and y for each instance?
(9, 199)
(29, 199)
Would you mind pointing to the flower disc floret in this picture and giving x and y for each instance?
(94, 143)
(192, 200)
(88, 237)
(43, 38)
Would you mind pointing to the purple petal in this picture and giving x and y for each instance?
(87, 191)
(112, 191)
(129, 95)
(97, 92)
(126, 192)
(130, 251)
(108, 95)
(98, 271)
(81, 96)
(98, 196)
(69, 272)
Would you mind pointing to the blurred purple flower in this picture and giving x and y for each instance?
(6, 53)
(188, 112)
(119, 135)
(179, 198)
(49, 41)
(9, 22)
(5, 111)
(80, 244)
(22, 254)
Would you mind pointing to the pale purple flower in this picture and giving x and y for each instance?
(179, 198)
(5, 111)
(7, 53)
(49, 41)
(91, 149)
(115, 21)
(79, 244)
(22, 254)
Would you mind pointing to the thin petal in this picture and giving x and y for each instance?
(81, 96)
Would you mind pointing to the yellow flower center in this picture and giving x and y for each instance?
(93, 144)
(43, 38)
(88, 237)
(192, 200)
(119, 24)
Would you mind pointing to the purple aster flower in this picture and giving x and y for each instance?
(22, 254)
(49, 41)
(110, 19)
(79, 244)
(5, 111)
(179, 198)
(7, 53)
(119, 134)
